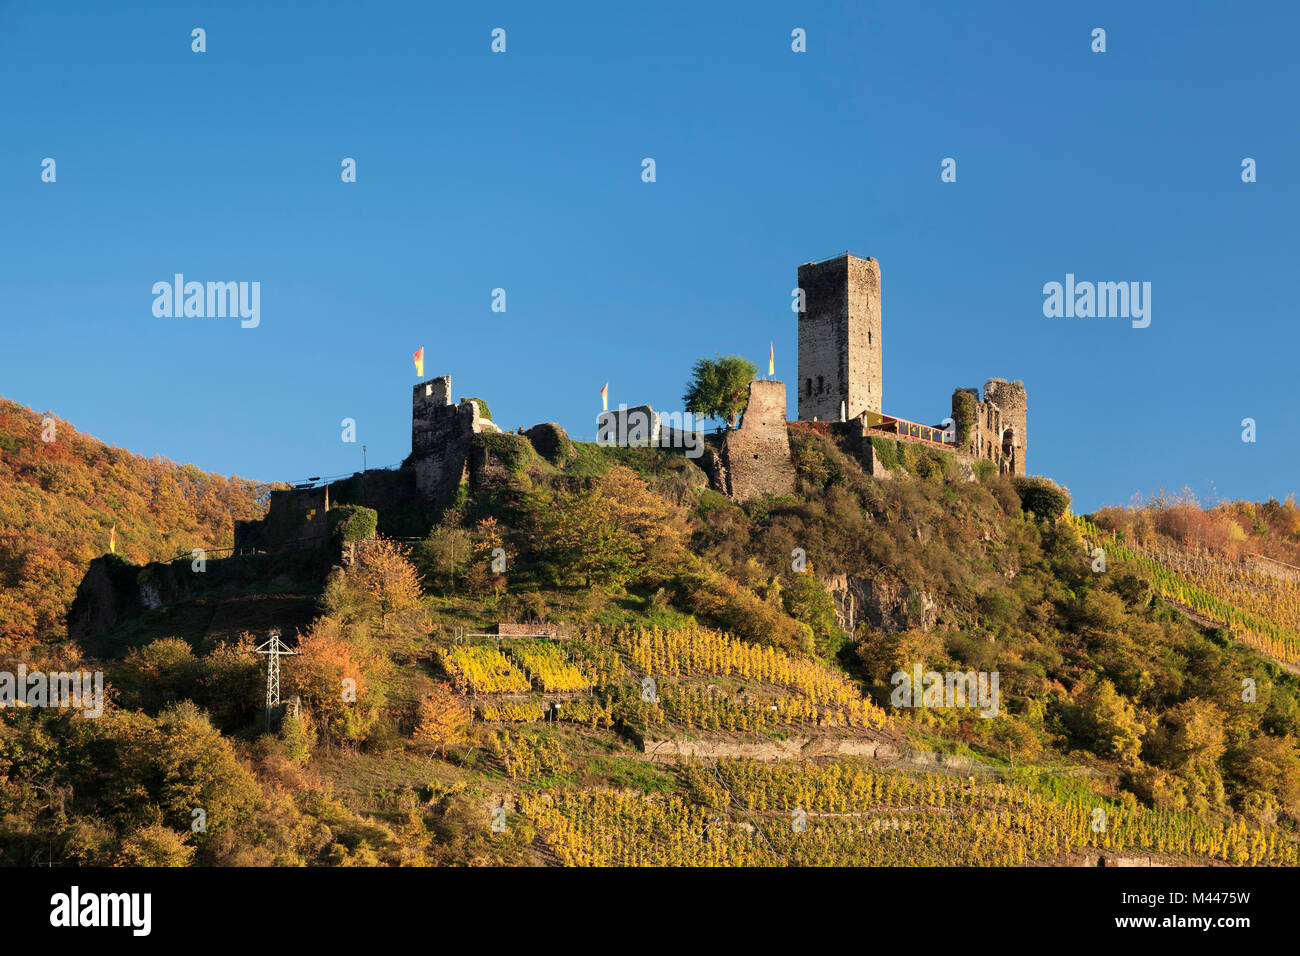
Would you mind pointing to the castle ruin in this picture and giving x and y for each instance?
(839, 394)
(441, 434)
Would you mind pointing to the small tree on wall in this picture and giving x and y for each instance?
(719, 387)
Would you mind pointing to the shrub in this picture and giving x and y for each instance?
(442, 558)
(810, 462)
(513, 451)
(1042, 498)
(930, 463)
(348, 523)
(326, 662)
(298, 738)
(383, 583)
(483, 410)
(889, 453)
(551, 442)
(442, 720)
(154, 845)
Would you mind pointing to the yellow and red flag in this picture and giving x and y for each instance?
(771, 358)
(112, 539)
(604, 398)
(419, 362)
(327, 497)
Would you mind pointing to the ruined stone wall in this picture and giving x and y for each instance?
(999, 431)
(712, 464)
(293, 516)
(839, 339)
(440, 439)
(638, 425)
(756, 455)
(1012, 402)
(854, 439)
(290, 519)
(987, 434)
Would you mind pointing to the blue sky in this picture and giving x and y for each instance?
(522, 171)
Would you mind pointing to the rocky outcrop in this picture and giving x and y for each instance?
(881, 603)
(114, 592)
(109, 593)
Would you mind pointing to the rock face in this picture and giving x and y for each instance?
(881, 603)
(107, 595)
(217, 593)
(114, 591)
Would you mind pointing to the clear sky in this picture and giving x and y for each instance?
(523, 171)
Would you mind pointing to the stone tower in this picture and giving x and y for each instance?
(839, 338)
(1011, 401)
(441, 434)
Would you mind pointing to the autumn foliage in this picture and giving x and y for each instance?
(62, 492)
(442, 720)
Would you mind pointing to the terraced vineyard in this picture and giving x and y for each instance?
(699, 650)
(811, 692)
(483, 670)
(704, 709)
(1260, 609)
(844, 814)
(776, 689)
(525, 757)
(511, 711)
(592, 713)
(550, 667)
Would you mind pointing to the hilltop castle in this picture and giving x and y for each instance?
(839, 394)
(456, 448)
(840, 370)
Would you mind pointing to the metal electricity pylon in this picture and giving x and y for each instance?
(274, 649)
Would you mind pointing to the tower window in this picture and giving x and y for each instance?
(820, 387)
(809, 387)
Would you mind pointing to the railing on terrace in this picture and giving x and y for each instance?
(319, 481)
(901, 426)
